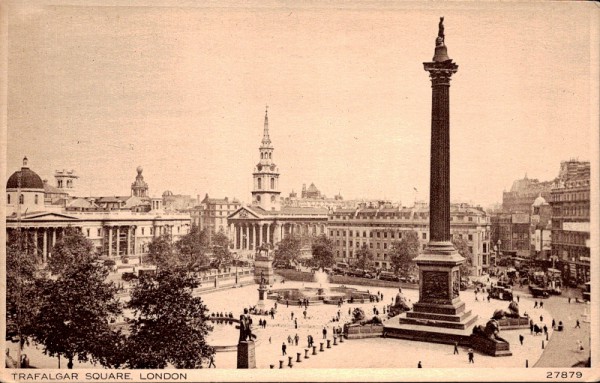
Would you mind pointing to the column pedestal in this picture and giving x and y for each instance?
(246, 355)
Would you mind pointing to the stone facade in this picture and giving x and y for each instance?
(570, 202)
(378, 228)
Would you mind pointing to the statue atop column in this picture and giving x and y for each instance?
(440, 38)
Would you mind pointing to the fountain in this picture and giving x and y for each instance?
(324, 293)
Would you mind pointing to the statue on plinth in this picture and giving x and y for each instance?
(264, 247)
(513, 312)
(490, 331)
(245, 327)
(400, 305)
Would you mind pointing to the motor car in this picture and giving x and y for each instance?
(368, 275)
(128, 276)
(502, 293)
(387, 276)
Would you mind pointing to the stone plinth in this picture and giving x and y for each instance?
(246, 356)
(439, 286)
(263, 268)
(490, 346)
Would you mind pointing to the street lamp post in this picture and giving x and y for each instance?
(236, 257)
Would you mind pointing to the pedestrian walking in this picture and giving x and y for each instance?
(531, 326)
(212, 362)
(579, 345)
(289, 339)
(541, 318)
(292, 315)
(569, 300)
(521, 338)
(545, 330)
(541, 304)
(471, 356)
(269, 340)
(553, 323)
(518, 298)
(304, 313)
(577, 324)
(283, 349)
(535, 305)
(455, 348)
(296, 339)
(264, 323)
(419, 365)
(287, 303)
(296, 323)
(324, 333)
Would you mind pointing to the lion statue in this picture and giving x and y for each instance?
(513, 312)
(490, 331)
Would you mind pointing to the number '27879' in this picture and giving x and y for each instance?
(563, 374)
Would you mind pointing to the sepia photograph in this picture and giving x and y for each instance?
(300, 191)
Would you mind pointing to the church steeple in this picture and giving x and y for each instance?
(265, 192)
(266, 141)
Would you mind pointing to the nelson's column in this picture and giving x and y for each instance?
(439, 305)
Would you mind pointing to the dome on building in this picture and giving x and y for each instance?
(29, 179)
(539, 201)
(167, 193)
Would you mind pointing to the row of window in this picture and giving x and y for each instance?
(573, 196)
(36, 199)
(378, 234)
(259, 183)
(571, 211)
(99, 231)
(419, 216)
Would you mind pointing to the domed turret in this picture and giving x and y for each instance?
(29, 178)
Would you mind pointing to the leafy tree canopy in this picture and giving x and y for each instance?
(322, 252)
(160, 251)
(72, 249)
(463, 249)
(364, 258)
(221, 253)
(191, 248)
(76, 309)
(404, 251)
(22, 296)
(288, 249)
(169, 325)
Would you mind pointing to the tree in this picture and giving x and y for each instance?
(222, 255)
(169, 324)
(463, 249)
(77, 307)
(322, 252)
(72, 249)
(364, 257)
(160, 251)
(22, 297)
(288, 249)
(404, 251)
(191, 248)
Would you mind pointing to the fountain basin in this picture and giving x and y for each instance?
(316, 295)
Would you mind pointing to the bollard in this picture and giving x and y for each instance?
(306, 353)
(298, 354)
(321, 349)
(314, 350)
(342, 338)
(272, 366)
(335, 340)
(281, 364)
(328, 343)
(542, 345)
(526, 363)
(289, 361)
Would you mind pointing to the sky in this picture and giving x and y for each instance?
(181, 91)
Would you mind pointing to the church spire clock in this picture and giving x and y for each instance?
(265, 191)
